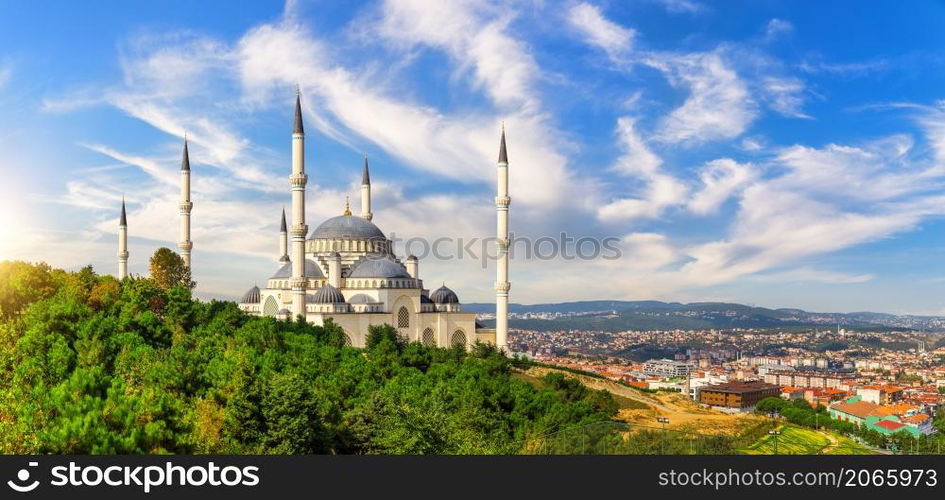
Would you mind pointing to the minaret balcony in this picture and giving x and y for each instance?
(502, 286)
(123, 255)
(186, 206)
(299, 230)
(502, 201)
(298, 180)
(186, 246)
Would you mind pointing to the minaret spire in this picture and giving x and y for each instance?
(503, 155)
(502, 284)
(366, 192)
(298, 128)
(184, 243)
(122, 242)
(297, 181)
(283, 240)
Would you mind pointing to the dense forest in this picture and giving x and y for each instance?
(89, 364)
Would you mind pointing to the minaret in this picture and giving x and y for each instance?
(366, 192)
(122, 243)
(298, 180)
(502, 285)
(283, 241)
(185, 245)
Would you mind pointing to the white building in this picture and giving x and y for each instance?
(667, 368)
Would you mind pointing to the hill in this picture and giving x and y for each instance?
(89, 364)
(610, 315)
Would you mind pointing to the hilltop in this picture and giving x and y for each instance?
(615, 315)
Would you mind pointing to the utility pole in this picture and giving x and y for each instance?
(775, 433)
(663, 421)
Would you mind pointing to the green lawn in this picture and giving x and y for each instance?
(796, 440)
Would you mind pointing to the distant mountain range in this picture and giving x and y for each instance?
(611, 315)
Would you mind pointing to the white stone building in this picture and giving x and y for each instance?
(352, 276)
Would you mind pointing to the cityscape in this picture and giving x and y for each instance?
(671, 230)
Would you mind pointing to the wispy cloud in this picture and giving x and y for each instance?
(683, 6)
(777, 28)
(658, 191)
(614, 39)
(719, 105)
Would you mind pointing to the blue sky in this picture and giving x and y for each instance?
(785, 154)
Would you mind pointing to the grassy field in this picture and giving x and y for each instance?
(847, 446)
(796, 440)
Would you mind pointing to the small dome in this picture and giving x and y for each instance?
(378, 266)
(347, 227)
(362, 298)
(284, 312)
(444, 295)
(251, 296)
(328, 295)
(311, 271)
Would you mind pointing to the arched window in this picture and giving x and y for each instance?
(428, 338)
(403, 318)
(458, 338)
(271, 308)
(348, 341)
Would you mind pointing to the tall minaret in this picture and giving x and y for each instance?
(185, 245)
(366, 192)
(502, 285)
(297, 180)
(122, 243)
(283, 241)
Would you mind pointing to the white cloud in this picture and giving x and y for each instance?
(777, 27)
(721, 179)
(752, 144)
(659, 189)
(785, 95)
(825, 200)
(614, 39)
(683, 6)
(812, 275)
(719, 105)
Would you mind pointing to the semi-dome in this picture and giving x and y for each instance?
(347, 227)
(444, 295)
(362, 298)
(311, 271)
(328, 295)
(378, 266)
(251, 296)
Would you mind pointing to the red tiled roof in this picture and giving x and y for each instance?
(890, 424)
(859, 409)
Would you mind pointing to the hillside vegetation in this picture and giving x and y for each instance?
(89, 364)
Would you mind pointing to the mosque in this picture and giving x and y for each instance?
(346, 269)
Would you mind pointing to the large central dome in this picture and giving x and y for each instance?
(347, 227)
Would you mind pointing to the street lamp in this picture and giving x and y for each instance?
(775, 433)
(663, 421)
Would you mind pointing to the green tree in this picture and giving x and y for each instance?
(168, 270)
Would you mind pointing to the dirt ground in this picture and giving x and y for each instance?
(680, 410)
